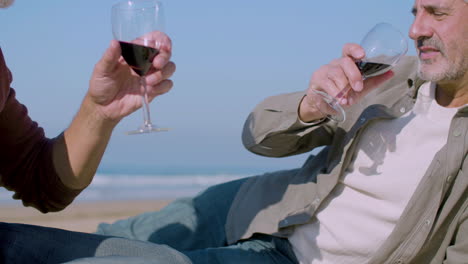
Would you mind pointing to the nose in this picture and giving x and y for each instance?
(420, 28)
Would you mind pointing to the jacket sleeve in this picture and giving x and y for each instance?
(274, 129)
(26, 163)
(457, 252)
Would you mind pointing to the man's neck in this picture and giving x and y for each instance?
(452, 94)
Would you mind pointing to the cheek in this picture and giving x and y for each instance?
(452, 42)
(456, 48)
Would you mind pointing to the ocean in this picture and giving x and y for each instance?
(110, 185)
(158, 186)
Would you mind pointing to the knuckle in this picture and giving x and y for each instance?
(334, 72)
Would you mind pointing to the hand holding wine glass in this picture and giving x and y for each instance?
(341, 82)
(115, 89)
(138, 26)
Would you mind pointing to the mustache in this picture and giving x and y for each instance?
(430, 42)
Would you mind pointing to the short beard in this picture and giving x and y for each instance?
(453, 70)
(6, 3)
(454, 73)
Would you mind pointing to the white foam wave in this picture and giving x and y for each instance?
(162, 180)
(120, 186)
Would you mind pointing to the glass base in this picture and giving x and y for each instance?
(147, 129)
(330, 107)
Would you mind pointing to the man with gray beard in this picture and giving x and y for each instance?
(391, 184)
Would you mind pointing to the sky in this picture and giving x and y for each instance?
(230, 55)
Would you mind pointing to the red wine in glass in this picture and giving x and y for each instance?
(138, 57)
(369, 69)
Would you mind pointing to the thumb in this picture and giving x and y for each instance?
(110, 58)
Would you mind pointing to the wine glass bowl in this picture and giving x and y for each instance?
(137, 26)
(138, 57)
(384, 46)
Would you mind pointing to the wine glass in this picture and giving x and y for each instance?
(134, 24)
(384, 46)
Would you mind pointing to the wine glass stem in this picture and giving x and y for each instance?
(342, 93)
(345, 91)
(144, 97)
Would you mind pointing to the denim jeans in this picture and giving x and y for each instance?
(34, 244)
(185, 231)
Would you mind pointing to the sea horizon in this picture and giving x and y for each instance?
(139, 183)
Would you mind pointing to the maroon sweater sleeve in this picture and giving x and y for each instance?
(26, 165)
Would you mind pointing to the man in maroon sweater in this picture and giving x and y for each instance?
(48, 173)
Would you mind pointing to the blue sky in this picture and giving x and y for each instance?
(229, 55)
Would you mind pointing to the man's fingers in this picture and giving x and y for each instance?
(164, 44)
(159, 89)
(160, 41)
(354, 51)
(353, 75)
(164, 56)
(161, 60)
(160, 75)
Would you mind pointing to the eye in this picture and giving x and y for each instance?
(438, 14)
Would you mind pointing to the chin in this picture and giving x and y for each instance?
(6, 3)
(430, 72)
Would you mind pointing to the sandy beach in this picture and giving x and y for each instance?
(80, 216)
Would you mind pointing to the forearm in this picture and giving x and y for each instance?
(78, 152)
(274, 128)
